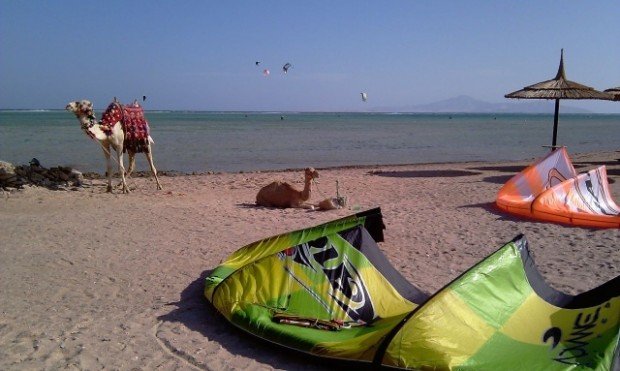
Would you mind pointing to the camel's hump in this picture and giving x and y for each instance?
(279, 186)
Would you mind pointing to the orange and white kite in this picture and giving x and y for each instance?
(551, 190)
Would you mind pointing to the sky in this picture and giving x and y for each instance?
(200, 55)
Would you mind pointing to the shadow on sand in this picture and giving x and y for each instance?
(503, 169)
(492, 208)
(598, 163)
(425, 173)
(197, 314)
(498, 179)
(487, 206)
(505, 216)
(248, 205)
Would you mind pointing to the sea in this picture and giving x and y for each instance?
(199, 142)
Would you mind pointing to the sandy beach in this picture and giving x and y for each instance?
(92, 280)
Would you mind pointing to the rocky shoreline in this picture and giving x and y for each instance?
(59, 177)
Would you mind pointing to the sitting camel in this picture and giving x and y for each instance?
(123, 128)
(283, 195)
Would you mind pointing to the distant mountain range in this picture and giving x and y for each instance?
(466, 104)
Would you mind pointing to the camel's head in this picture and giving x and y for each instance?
(80, 108)
(310, 173)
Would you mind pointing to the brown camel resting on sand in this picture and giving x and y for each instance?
(283, 195)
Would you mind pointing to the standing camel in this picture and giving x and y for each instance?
(283, 195)
(123, 128)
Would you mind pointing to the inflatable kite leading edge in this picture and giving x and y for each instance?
(551, 190)
(330, 292)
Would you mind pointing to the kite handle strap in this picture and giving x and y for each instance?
(333, 325)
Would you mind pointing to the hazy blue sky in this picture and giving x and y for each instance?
(200, 55)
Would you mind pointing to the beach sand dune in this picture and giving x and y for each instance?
(91, 280)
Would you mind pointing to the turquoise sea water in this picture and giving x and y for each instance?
(211, 141)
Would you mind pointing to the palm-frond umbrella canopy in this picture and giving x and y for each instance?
(615, 92)
(559, 88)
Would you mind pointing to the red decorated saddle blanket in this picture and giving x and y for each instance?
(134, 124)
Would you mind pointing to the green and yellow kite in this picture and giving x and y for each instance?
(329, 291)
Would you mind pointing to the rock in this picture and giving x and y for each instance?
(56, 178)
(37, 169)
(6, 170)
(77, 177)
(64, 177)
(21, 171)
(10, 179)
(76, 174)
(36, 177)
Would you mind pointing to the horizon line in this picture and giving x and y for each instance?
(34, 110)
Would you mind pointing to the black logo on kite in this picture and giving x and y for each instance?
(348, 289)
(554, 333)
(574, 349)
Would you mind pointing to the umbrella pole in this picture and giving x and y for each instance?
(555, 124)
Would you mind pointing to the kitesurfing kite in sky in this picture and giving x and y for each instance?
(266, 71)
(329, 291)
(364, 96)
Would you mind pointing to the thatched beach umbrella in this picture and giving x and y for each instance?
(558, 88)
(615, 92)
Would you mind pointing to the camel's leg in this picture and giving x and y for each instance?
(307, 206)
(132, 163)
(108, 165)
(149, 158)
(121, 168)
